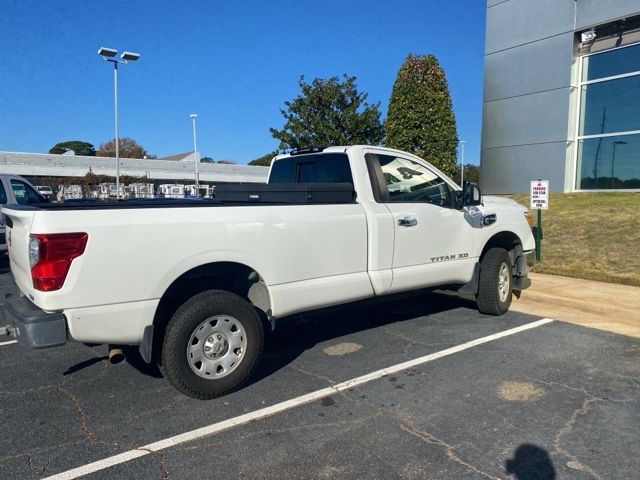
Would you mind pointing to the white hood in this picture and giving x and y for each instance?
(500, 200)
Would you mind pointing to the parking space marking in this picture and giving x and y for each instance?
(283, 406)
(2, 344)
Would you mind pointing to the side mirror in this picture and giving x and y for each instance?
(471, 194)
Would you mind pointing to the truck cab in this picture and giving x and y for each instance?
(424, 230)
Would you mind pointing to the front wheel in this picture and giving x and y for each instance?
(212, 344)
(495, 289)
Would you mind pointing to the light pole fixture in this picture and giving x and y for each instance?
(462, 142)
(110, 55)
(613, 157)
(196, 158)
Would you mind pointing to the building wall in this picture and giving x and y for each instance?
(529, 89)
(38, 164)
(593, 12)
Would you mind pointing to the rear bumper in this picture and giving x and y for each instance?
(34, 327)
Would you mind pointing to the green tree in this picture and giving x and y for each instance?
(207, 160)
(78, 146)
(420, 119)
(128, 148)
(471, 174)
(329, 112)
(264, 161)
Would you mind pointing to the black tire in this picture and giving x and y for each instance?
(489, 298)
(183, 323)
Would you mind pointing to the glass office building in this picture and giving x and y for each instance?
(608, 153)
(562, 95)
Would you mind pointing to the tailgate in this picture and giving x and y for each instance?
(18, 226)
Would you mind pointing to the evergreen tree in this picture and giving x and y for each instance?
(78, 146)
(420, 119)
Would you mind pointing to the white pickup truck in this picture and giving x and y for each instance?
(194, 283)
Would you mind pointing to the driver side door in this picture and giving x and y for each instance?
(434, 242)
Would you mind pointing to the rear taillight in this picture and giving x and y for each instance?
(50, 256)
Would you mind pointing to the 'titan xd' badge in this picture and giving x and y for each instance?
(539, 194)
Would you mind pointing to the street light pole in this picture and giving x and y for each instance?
(613, 157)
(115, 96)
(462, 142)
(195, 154)
(109, 55)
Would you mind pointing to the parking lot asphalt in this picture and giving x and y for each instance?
(556, 401)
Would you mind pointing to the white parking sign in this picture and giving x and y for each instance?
(540, 194)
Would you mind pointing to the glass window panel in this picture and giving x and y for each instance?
(609, 162)
(611, 106)
(408, 181)
(328, 167)
(614, 62)
(24, 193)
(283, 171)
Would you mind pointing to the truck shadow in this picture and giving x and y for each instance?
(296, 334)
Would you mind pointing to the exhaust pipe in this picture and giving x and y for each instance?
(116, 355)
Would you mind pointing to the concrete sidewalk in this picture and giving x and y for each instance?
(606, 306)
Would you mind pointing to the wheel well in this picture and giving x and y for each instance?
(513, 245)
(232, 277)
(507, 240)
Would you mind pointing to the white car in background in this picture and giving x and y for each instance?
(15, 189)
(45, 191)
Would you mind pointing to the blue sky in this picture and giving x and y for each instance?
(233, 62)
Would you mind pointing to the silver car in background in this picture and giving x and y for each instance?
(15, 189)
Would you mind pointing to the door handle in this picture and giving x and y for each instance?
(408, 222)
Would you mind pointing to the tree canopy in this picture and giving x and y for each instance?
(78, 146)
(471, 174)
(128, 147)
(329, 112)
(420, 119)
(264, 161)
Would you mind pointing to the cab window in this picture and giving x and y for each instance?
(404, 180)
(24, 193)
(3, 194)
(314, 168)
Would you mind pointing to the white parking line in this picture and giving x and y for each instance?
(2, 344)
(281, 407)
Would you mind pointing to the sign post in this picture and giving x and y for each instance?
(539, 201)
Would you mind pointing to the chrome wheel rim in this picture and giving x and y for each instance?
(504, 282)
(216, 347)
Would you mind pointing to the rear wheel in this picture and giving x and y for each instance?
(212, 344)
(495, 289)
